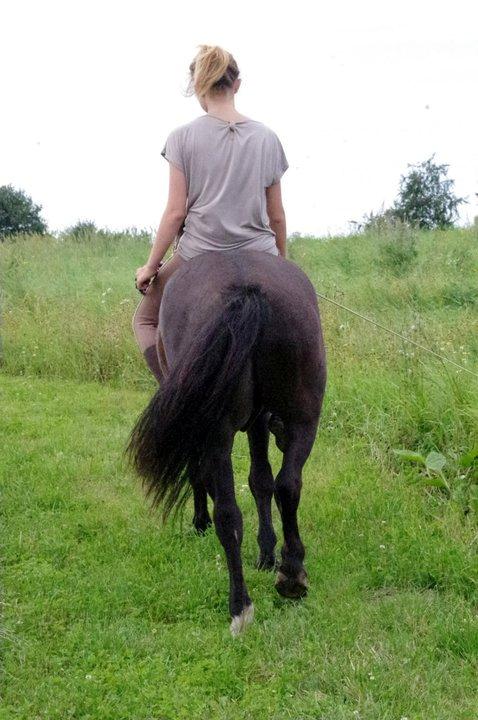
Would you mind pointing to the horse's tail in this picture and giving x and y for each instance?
(170, 437)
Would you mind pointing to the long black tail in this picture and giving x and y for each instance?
(170, 437)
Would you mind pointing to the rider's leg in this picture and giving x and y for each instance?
(145, 318)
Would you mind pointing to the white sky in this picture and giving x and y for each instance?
(355, 91)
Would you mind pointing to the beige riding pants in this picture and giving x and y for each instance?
(146, 318)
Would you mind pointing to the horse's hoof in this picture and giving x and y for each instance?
(266, 562)
(202, 525)
(293, 588)
(240, 622)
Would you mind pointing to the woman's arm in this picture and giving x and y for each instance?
(275, 211)
(171, 222)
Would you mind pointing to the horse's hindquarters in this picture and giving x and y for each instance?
(242, 337)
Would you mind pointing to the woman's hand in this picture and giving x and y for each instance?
(143, 277)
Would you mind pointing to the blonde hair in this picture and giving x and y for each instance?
(212, 70)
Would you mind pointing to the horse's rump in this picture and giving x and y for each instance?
(288, 363)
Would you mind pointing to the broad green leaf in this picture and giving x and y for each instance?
(435, 461)
(467, 460)
(435, 481)
(411, 456)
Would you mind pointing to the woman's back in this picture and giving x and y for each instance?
(228, 166)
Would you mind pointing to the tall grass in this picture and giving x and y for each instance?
(67, 310)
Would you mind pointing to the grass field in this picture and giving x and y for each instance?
(108, 615)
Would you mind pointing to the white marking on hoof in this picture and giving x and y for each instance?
(240, 622)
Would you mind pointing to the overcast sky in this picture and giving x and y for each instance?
(355, 91)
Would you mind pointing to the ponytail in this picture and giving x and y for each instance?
(212, 69)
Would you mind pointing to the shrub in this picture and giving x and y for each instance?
(380, 222)
(81, 230)
(86, 230)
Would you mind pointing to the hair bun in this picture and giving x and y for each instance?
(213, 67)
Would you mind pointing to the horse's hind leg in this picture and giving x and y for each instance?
(228, 523)
(261, 482)
(291, 578)
(201, 519)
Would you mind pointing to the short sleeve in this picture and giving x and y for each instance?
(276, 162)
(173, 151)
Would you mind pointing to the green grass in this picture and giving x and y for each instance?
(109, 615)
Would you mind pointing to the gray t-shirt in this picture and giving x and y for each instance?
(228, 166)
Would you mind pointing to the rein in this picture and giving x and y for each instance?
(397, 334)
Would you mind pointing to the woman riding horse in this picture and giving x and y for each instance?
(224, 190)
(238, 335)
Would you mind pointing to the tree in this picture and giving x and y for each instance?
(18, 213)
(426, 196)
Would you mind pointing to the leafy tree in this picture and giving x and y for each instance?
(426, 196)
(18, 213)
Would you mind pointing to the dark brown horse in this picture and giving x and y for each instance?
(244, 347)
